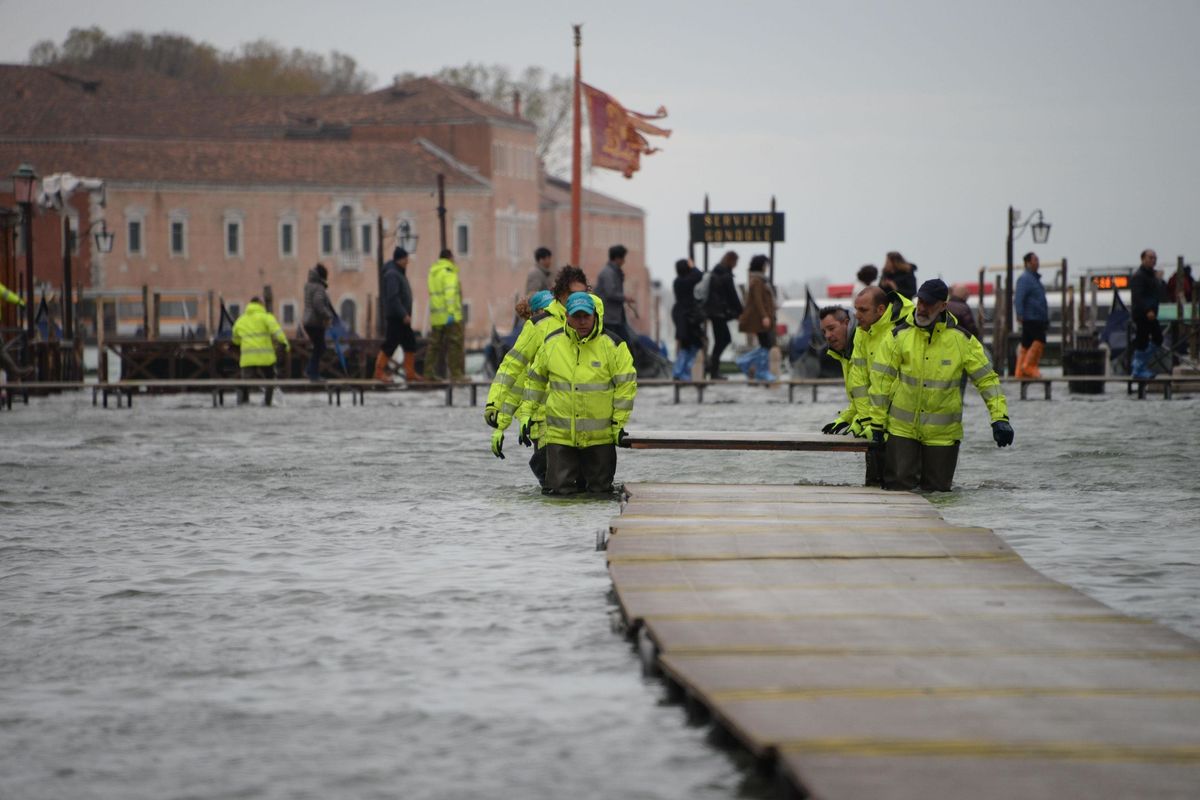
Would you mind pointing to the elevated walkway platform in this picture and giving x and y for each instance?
(860, 646)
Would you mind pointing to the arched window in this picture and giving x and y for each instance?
(348, 312)
(346, 230)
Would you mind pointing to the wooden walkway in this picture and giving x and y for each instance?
(860, 646)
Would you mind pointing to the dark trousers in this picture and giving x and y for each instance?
(398, 334)
(537, 464)
(874, 468)
(445, 341)
(766, 339)
(1146, 331)
(1033, 330)
(266, 373)
(908, 464)
(316, 335)
(721, 340)
(579, 469)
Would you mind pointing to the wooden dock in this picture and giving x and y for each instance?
(859, 646)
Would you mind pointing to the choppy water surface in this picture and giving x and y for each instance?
(315, 602)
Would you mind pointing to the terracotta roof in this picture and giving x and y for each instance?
(383, 165)
(49, 103)
(557, 193)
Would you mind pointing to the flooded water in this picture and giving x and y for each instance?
(361, 602)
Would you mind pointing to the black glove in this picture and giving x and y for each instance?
(523, 437)
(489, 416)
(622, 436)
(875, 439)
(1002, 432)
(498, 443)
(836, 428)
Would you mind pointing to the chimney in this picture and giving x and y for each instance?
(516, 103)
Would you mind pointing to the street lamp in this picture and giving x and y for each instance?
(24, 183)
(1041, 232)
(405, 237)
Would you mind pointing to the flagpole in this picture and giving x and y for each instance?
(576, 156)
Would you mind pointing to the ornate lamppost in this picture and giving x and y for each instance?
(24, 188)
(1016, 227)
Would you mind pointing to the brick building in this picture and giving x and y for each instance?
(229, 194)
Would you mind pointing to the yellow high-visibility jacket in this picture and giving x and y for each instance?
(445, 293)
(255, 332)
(10, 296)
(508, 388)
(866, 344)
(848, 414)
(586, 387)
(916, 381)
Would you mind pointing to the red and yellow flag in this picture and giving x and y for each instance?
(617, 140)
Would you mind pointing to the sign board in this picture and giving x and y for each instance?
(1110, 281)
(731, 227)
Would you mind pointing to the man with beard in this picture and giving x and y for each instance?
(916, 397)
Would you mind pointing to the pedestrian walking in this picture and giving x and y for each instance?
(318, 314)
(610, 287)
(722, 305)
(445, 319)
(688, 319)
(758, 319)
(1033, 313)
(397, 301)
(256, 333)
(1145, 289)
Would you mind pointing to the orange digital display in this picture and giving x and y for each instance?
(1111, 281)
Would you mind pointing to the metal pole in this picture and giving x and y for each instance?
(1008, 291)
(379, 326)
(577, 155)
(1068, 328)
(67, 310)
(441, 208)
(706, 242)
(27, 215)
(771, 276)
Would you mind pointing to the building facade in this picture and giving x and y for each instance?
(232, 195)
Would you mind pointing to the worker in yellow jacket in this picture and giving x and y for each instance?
(876, 311)
(916, 394)
(507, 392)
(585, 379)
(445, 319)
(256, 332)
(10, 366)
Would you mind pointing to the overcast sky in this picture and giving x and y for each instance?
(877, 126)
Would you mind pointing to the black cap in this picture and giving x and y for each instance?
(933, 291)
(399, 253)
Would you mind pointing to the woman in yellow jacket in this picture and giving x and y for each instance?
(508, 389)
(584, 378)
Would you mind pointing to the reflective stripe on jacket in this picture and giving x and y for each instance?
(916, 382)
(445, 293)
(586, 386)
(866, 345)
(508, 387)
(253, 333)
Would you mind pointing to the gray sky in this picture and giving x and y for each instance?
(877, 125)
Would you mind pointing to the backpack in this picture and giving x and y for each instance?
(700, 290)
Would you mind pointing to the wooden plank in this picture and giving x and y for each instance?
(742, 440)
(879, 651)
(946, 543)
(998, 778)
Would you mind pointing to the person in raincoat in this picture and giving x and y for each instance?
(508, 389)
(584, 379)
(256, 332)
(916, 394)
(10, 366)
